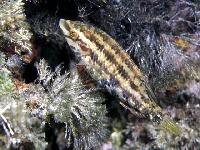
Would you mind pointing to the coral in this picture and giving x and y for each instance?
(14, 31)
(47, 28)
(194, 87)
(159, 139)
(26, 108)
(18, 127)
(14, 65)
(5, 81)
(141, 134)
(69, 102)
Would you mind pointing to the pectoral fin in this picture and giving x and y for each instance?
(82, 63)
(149, 90)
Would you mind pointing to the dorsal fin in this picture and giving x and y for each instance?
(149, 90)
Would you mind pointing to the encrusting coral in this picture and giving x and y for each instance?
(24, 113)
(15, 32)
(69, 102)
(19, 128)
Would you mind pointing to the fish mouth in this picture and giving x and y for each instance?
(64, 26)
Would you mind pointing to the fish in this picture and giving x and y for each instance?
(109, 65)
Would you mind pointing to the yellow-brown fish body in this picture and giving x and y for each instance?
(112, 67)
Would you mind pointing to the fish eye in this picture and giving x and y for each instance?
(73, 34)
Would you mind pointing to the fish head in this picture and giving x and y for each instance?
(76, 34)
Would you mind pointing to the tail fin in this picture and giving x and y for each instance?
(168, 124)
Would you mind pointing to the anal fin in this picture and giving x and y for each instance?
(138, 114)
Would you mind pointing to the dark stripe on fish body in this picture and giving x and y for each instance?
(123, 72)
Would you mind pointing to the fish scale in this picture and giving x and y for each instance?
(112, 67)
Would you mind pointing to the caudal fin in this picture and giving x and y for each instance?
(170, 125)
